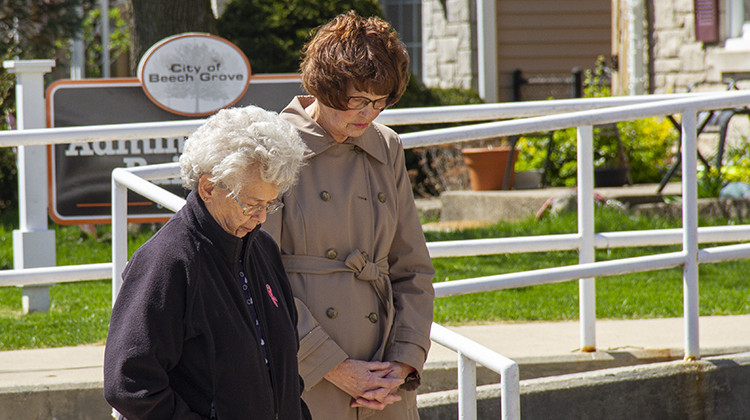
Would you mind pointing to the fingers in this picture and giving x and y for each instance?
(373, 405)
(382, 395)
(375, 366)
(376, 404)
(371, 384)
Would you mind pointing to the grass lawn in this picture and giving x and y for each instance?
(79, 312)
(724, 287)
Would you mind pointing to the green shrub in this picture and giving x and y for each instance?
(646, 149)
(736, 165)
(643, 145)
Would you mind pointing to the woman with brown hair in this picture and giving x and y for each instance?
(349, 234)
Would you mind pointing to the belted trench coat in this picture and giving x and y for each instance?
(355, 254)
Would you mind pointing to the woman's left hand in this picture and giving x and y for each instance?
(395, 370)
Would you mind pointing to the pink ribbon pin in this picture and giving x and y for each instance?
(273, 298)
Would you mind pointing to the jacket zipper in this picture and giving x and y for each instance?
(257, 296)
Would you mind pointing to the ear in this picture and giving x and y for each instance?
(206, 188)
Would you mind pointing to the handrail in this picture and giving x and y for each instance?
(570, 241)
(470, 350)
(573, 119)
(401, 116)
(585, 114)
(506, 110)
(59, 274)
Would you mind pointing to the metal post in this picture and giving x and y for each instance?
(78, 53)
(576, 88)
(690, 233)
(104, 12)
(487, 50)
(586, 286)
(467, 388)
(33, 242)
(518, 81)
(119, 233)
(510, 393)
(635, 47)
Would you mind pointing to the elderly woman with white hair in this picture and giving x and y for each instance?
(204, 325)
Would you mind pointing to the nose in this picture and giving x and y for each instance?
(369, 111)
(261, 215)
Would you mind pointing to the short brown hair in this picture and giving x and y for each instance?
(365, 52)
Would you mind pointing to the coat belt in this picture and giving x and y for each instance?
(375, 272)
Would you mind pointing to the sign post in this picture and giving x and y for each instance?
(33, 242)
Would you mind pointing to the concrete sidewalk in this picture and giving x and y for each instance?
(537, 343)
(544, 349)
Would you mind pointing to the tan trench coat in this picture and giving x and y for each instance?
(356, 258)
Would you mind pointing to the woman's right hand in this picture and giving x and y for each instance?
(358, 377)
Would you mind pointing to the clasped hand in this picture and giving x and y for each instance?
(371, 384)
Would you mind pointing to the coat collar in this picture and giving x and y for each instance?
(225, 243)
(318, 140)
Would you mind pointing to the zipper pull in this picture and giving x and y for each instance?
(213, 411)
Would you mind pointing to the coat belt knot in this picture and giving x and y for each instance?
(364, 269)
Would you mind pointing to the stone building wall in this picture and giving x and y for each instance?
(678, 59)
(449, 44)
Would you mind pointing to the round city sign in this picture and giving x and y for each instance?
(194, 74)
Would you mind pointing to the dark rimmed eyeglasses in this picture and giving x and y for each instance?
(256, 209)
(359, 102)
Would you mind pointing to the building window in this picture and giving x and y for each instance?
(737, 15)
(406, 18)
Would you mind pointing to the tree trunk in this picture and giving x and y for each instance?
(151, 21)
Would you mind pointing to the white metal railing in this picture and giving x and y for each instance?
(598, 111)
(469, 353)
(136, 179)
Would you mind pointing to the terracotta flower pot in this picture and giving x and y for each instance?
(487, 167)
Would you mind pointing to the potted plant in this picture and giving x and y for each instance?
(490, 166)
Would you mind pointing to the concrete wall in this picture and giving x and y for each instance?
(75, 402)
(713, 388)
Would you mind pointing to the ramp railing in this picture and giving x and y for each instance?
(585, 113)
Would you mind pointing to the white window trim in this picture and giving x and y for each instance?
(734, 17)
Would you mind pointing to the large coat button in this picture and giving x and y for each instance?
(373, 317)
(332, 313)
(325, 196)
(331, 254)
(381, 197)
(357, 149)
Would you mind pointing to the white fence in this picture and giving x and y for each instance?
(585, 113)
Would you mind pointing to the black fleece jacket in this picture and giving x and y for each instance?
(182, 343)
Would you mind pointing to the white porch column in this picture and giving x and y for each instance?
(33, 242)
(487, 50)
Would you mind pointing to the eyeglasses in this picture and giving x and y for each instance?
(359, 102)
(255, 210)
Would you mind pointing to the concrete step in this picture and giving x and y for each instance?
(492, 206)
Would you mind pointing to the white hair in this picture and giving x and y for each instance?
(234, 141)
